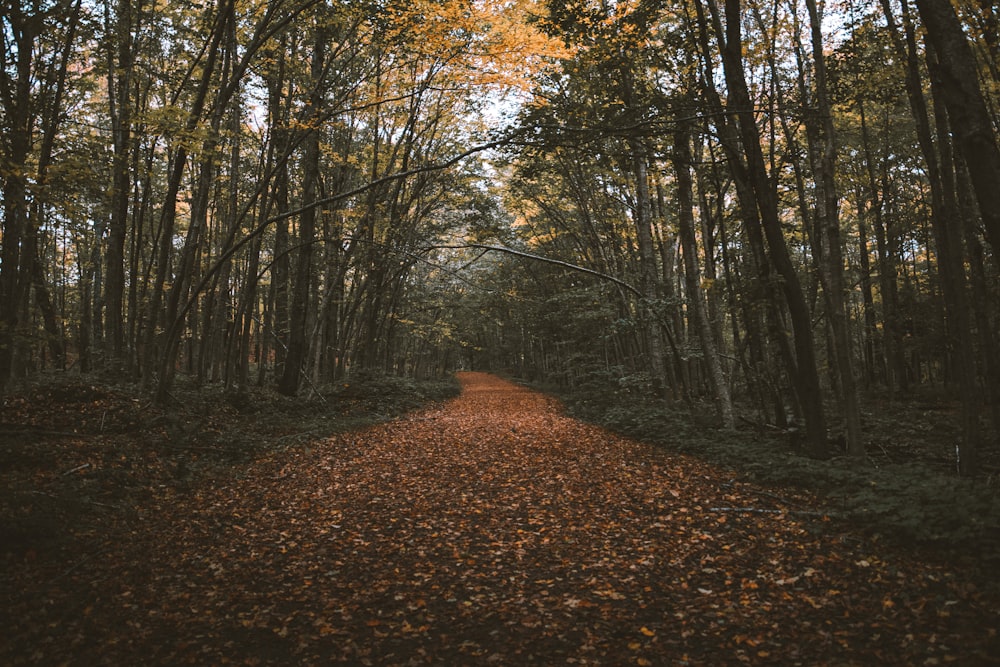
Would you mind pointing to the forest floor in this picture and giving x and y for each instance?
(488, 529)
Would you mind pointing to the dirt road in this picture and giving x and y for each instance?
(495, 530)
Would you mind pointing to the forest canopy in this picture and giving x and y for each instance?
(773, 207)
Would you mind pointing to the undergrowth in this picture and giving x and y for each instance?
(79, 456)
(905, 489)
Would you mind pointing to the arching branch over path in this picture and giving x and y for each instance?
(548, 260)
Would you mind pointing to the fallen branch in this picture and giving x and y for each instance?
(79, 563)
(746, 510)
(82, 500)
(31, 430)
(783, 501)
(301, 434)
(761, 510)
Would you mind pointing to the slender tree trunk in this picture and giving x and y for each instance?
(872, 370)
(246, 310)
(120, 111)
(155, 358)
(299, 321)
(50, 320)
(32, 269)
(648, 283)
(711, 222)
(892, 345)
(806, 375)
(828, 225)
(184, 274)
(276, 321)
(692, 278)
(951, 267)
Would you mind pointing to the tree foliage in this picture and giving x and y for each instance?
(769, 209)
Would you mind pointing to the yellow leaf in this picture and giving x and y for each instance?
(646, 631)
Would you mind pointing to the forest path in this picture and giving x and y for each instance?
(493, 529)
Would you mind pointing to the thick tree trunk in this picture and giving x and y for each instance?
(764, 294)
(971, 123)
(985, 312)
(944, 216)
(17, 109)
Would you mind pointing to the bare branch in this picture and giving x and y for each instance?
(547, 260)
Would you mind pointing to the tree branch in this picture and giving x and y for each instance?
(547, 260)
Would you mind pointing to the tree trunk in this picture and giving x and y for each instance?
(50, 319)
(806, 375)
(764, 293)
(970, 118)
(648, 283)
(985, 312)
(120, 112)
(828, 227)
(871, 366)
(951, 266)
(155, 358)
(298, 322)
(944, 221)
(685, 221)
(17, 108)
(892, 344)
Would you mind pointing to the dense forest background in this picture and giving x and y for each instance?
(774, 208)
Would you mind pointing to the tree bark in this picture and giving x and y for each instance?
(692, 277)
(970, 118)
(831, 263)
(120, 111)
(648, 284)
(298, 341)
(944, 221)
(16, 145)
(154, 358)
(951, 266)
(806, 375)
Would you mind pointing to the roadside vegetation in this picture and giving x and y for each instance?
(78, 456)
(906, 489)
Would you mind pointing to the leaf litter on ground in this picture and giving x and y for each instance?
(493, 529)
